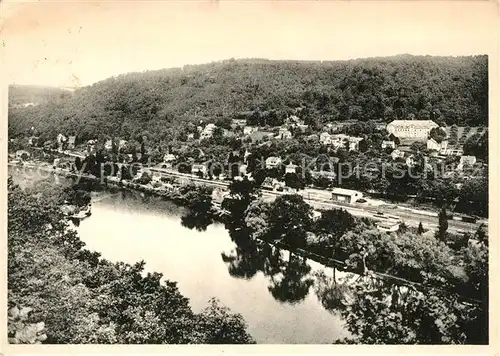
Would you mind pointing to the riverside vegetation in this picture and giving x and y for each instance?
(73, 295)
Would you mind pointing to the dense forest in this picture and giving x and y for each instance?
(445, 89)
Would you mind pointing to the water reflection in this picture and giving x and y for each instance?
(289, 279)
(294, 281)
(196, 220)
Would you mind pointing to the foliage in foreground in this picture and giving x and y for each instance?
(74, 296)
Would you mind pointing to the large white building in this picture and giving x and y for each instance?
(412, 129)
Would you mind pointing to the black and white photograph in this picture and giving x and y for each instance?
(247, 172)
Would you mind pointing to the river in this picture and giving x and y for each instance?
(128, 226)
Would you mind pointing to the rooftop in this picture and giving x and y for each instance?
(418, 123)
(343, 191)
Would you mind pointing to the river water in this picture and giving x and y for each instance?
(128, 226)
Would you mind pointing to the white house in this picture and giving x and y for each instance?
(61, 139)
(411, 161)
(242, 169)
(208, 131)
(453, 151)
(397, 154)
(346, 195)
(71, 141)
(273, 162)
(122, 144)
(290, 168)
(108, 144)
(466, 161)
(21, 154)
(168, 157)
(239, 122)
(340, 141)
(411, 129)
(195, 168)
(284, 133)
(441, 147)
(325, 138)
(386, 144)
(324, 174)
(247, 130)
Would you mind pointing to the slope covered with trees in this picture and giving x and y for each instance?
(162, 103)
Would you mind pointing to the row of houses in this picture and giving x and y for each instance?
(340, 140)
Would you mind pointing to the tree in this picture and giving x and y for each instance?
(293, 281)
(219, 326)
(438, 134)
(290, 219)
(420, 229)
(241, 194)
(408, 316)
(294, 181)
(335, 222)
(257, 219)
(442, 225)
(481, 235)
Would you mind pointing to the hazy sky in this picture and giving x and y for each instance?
(78, 43)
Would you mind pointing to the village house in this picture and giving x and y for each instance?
(273, 162)
(341, 140)
(466, 161)
(284, 134)
(302, 127)
(440, 147)
(33, 141)
(190, 136)
(387, 144)
(239, 122)
(246, 155)
(71, 142)
(61, 140)
(91, 145)
(411, 129)
(346, 195)
(22, 154)
(453, 151)
(247, 130)
(272, 184)
(411, 161)
(291, 168)
(168, 157)
(242, 169)
(197, 168)
(324, 174)
(208, 131)
(121, 144)
(397, 154)
(108, 145)
(325, 138)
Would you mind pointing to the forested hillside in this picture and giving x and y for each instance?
(160, 103)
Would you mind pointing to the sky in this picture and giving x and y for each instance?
(67, 43)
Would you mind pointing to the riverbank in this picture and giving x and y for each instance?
(410, 216)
